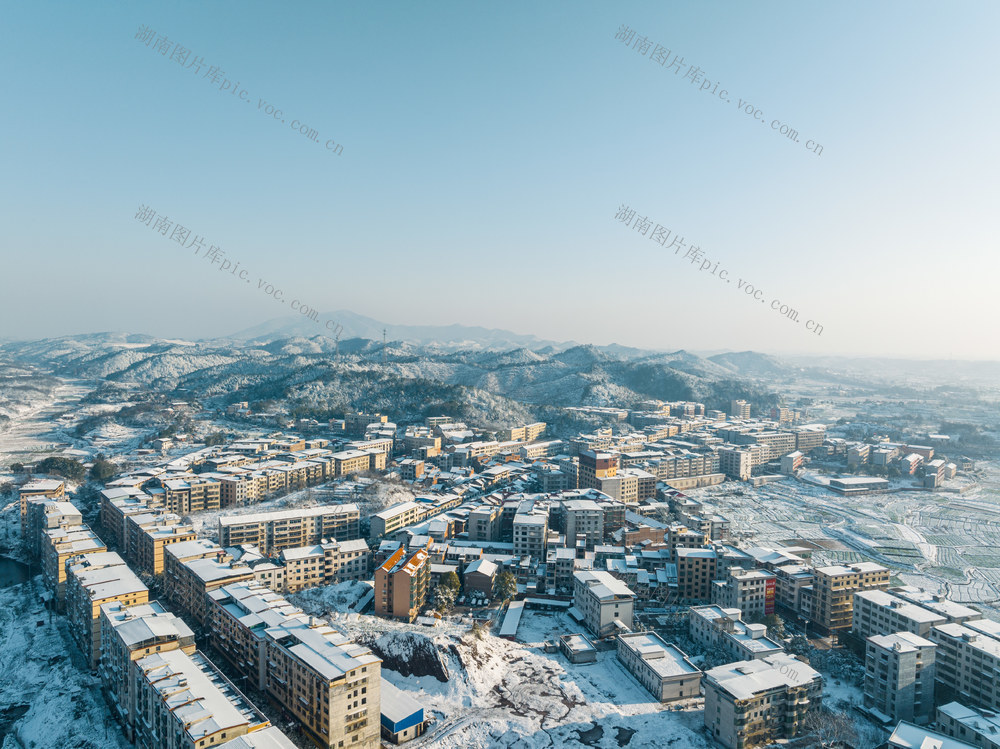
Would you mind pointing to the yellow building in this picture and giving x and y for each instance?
(49, 488)
(273, 532)
(58, 545)
(834, 588)
(92, 581)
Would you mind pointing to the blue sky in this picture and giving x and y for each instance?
(486, 150)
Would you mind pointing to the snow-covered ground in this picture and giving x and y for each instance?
(514, 694)
(47, 697)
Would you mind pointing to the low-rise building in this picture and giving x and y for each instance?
(722, 631)
(663, 669)
(980, 728)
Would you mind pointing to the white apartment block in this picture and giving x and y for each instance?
(746, 590)
(879, 613)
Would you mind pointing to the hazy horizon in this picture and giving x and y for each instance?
(485, 153)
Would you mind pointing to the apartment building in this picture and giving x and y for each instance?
(696, 569)
(325, 564)
(967, 662)
(954, 613)
(877, 612)
(791, 580)
(330, 684)
(484, 523)
(401, 584)
(736, 462)
(594, 466)
(192, 569)
(183, 496)
(47, 488)
(909, 736)
(749, 703)
(602, 602)
(858, 455)
(356, 461)
(185, 702)
(809, 437)
(387, 522)
(663, 669)
(899, 676)
(834, 588)
(722, 631)
(980, 728)
(60, 544)
(93, 580)
(273, 532)
(147, 540)
(530, 533)
(584, 520)
(750, 591)
(47, 514)
(739, 409)
(117, 504)
(129, 633)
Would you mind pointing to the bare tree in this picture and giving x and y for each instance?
(830, 728)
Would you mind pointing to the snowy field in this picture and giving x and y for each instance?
(944, 541)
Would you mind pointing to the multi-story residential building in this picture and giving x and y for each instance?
(584, 520)
(559, 567)
(129, 633)
(484, 523)
(194, 568)
(910, 736)
(48, 488)
(387, 522)
(954, 613)
(61, 544)
(877, 612)
(858, 455)
(809, 437)
(356, 461)
(739, 409)
(326, 563)
(980, 728)
(834, 588)
(791, 581)
(185, 702)
(723, 631)
(594, 466)
(273, 532)
(663, 669)
(696, 569)
(150, 539)
(530, 532)
(602, 601)
(401, 584)
(183, 496)
(899, 676)
(736, 462)
(749, 703)
(967, 662)
(47, 514)
(750, 591)
(330, 684)
(93, 580)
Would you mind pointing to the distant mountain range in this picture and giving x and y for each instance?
(359, 326)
